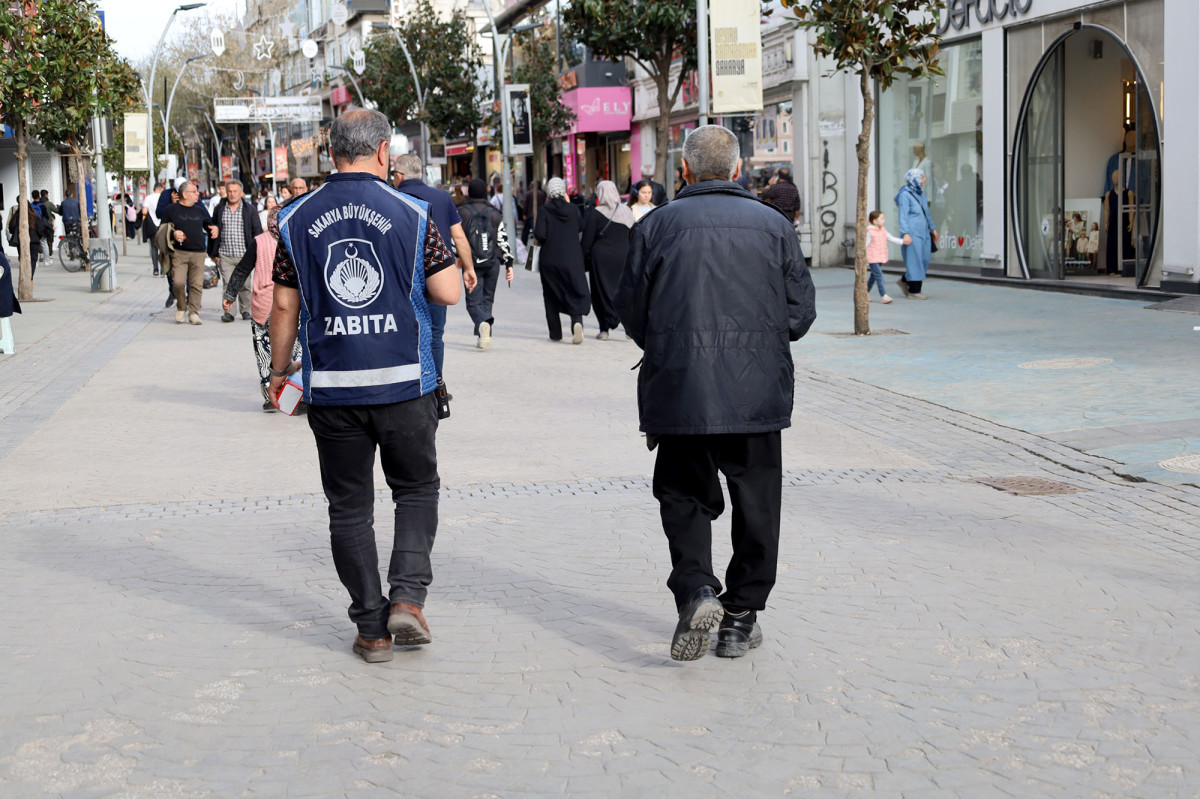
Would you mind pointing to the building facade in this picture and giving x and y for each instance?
(1047, 146)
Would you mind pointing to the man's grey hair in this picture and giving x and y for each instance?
(357, 134)
(712, 153)
(184, 186)
(408, 165)
(233, 182)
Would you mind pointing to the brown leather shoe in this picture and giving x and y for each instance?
(375, 650)
(408, 624)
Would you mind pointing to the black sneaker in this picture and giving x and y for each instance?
(737, 635)
(245, 316)
(697, 618)
(227, 317)
(903, 284)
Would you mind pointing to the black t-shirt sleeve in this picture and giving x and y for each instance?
(437, 254)
(283, 272)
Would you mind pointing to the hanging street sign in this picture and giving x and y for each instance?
(360, 61)
(309, 48)
(217, 41)
(339, 13)
(267, 109)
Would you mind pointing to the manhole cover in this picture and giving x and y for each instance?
(1187, 464)
(1028, 486)
(1066, 363)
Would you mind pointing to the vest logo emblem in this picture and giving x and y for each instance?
(352, 272)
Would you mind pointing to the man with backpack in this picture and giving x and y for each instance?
(483, 225)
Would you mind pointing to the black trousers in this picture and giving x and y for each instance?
(479, 301)
(689, 496)
(554, 322)
(347, 437)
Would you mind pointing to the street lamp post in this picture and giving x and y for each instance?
(216, 138)
(150, 85)
(174, 86)
(417, 85)
(498, 58)
(361, 101)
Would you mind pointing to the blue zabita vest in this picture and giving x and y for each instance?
(358, 246)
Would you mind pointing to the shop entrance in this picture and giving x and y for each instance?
(1086, 187)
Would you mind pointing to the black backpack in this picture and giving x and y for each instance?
(481, 235)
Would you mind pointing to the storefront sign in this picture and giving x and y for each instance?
(518, 123)
(281, 164)
(136, 154)
(600, 110)
(958, 12)
(737, 56)
(569, 161)
(226, 168)
(267, 109)
(339, 95)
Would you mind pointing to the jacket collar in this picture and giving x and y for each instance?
(715, 187)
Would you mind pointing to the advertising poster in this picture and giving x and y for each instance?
(226, 168)
(736, 56)
(193, 172)
(136, 153)
(281, 164)
(518, 133)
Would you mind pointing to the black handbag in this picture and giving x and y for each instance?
(932, 244)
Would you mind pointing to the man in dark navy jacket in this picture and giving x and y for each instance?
(357, 267)
(714, 290)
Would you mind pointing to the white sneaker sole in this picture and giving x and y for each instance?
(485, 336)
(577, 333)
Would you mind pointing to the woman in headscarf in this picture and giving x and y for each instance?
(605, 245)
(918, 232)
(564, 282)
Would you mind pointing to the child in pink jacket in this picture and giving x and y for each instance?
(877, 252)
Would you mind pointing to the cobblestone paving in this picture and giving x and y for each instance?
(929, 637)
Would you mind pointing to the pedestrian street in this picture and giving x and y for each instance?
(175, 626)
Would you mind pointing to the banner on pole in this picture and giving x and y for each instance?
(281, 166)
(737, 56)
(518, 121)
(193, 172)
(267, 109)
(136, 153)
(226, 168)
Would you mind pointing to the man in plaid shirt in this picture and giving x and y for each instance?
(239, 223)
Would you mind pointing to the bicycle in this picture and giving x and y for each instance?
(71, 254)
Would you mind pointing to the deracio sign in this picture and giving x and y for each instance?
(959, 13)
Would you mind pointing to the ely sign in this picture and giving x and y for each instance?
(958, 13)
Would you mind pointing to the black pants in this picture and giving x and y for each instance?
(479, 301)
(915, 286)
(554, 322)
(34, 251)
(689, 496)
(347, 437)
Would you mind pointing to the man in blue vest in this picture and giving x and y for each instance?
(358, 265)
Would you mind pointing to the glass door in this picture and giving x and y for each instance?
(1146, 183)
(1040, 172)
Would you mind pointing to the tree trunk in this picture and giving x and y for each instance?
(862, 299)
(539, 160)
(25, 268)
(662, 143)
(81, 193)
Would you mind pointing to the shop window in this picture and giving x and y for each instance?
(936, 124)
(771, 145)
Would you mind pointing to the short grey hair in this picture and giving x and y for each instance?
(408, 165)
(357, 134)
(712, 153)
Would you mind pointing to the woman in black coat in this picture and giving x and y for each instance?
(564, 281)
(605, 245)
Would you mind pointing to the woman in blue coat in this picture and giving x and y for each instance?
(917, 228)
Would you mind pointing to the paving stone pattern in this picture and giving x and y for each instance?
(929, 637)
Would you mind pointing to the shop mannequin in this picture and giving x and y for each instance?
(1114, 226)
(920, 160)
(1114, 162)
